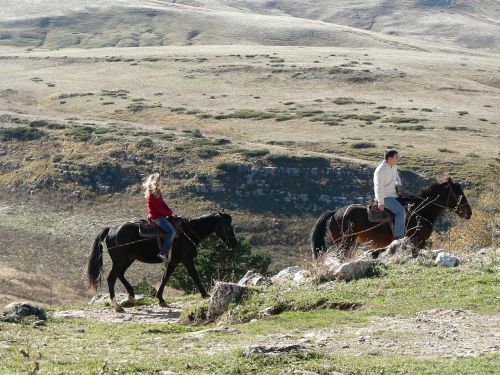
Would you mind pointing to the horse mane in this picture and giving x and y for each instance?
(430, 190)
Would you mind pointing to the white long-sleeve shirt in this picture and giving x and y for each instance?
(385, 180)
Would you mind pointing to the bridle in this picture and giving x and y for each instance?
(224, 230)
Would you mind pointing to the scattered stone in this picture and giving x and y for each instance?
(167, 372)
(274, 350)
(446, 259)
(254, 278)
(39, 323)
(222, 295)
(294, 273)
(18, 310)
(398, 252)
(348, 271)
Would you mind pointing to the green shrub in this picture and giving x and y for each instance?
(410, 127)
(207, 152)
(342, 101)
(309, 112)
(255, 153)
(361, 145)
(229, 166)
(216, 262)
(57, 158)
(20, 133)
(283, 117)
(80, 133)
(402, 120)
(251, 113)
(145, 143)
(39, 123)
(463, 113)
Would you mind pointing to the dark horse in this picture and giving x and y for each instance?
(125, 246)
(350, 224)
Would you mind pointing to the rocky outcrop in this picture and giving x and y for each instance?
(222, 295)
(15, 311)
(254, 278)
(293, 273)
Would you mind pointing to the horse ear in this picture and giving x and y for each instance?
(449, 180)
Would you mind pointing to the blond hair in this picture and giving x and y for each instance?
(151, 185)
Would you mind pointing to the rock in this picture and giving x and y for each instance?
(18, 310)
(222, 295)
(398, 251)
(254, 278)
(293, 273)
(347, 271)
(39, 323)
(274, 350)
(446, 259)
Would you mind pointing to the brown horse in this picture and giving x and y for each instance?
(350, 224)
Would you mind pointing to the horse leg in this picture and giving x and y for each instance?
(196, 278)
(113, 274)
(168, 272)
(130, 289)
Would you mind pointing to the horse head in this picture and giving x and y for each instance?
(224, 230)
(456, 199)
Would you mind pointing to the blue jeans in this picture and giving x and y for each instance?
(392, 204)
(164, 224)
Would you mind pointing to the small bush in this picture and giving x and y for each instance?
(343, 101)
(57, 158)
(229, 166)
(250, 113)
(361, 145)
(80, 133)
(411, 127)
(463, 113)
(402, 120)
(255, 153)
(145, 143)
(39, 123)
(20, 133)
(207, 152)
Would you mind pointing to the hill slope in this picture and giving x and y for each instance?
(313, 23)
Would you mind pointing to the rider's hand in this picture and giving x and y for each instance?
(381, 207)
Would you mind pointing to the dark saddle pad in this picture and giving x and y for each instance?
(377, 216)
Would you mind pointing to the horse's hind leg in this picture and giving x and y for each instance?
(168, 272)
(113, 275)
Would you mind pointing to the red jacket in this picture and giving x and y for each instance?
(157, 207)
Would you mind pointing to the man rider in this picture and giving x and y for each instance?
(386, 180)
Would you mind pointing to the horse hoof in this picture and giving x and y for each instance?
(127, 303)
(163, 304)
(119, 309)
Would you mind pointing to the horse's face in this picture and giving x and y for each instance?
(457, 200)
(224, 230)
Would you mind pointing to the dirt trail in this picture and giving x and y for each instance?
(428, 334)
(151, 314)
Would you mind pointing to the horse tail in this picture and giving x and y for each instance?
(318, 234)
(95, 263)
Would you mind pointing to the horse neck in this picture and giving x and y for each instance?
(426, 208)
(203, 226)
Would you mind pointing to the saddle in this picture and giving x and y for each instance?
(149, 229)
(375, 215)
